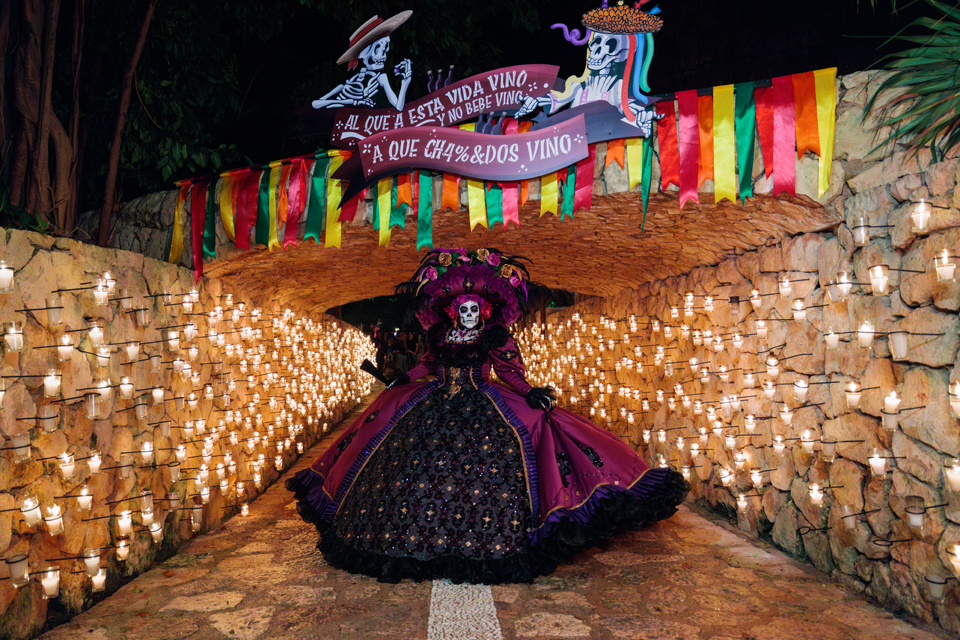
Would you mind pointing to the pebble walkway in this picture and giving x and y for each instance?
(688, 578)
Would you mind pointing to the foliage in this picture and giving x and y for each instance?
(924, 109)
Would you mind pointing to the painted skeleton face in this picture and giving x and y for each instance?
(374, 55)
(469, 314)
(605, 50)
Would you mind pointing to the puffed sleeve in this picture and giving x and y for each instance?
(508, 365)
(426, 367)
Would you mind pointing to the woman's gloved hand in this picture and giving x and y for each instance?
(401, 379)
(542, 398)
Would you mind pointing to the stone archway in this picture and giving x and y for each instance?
(601, 252)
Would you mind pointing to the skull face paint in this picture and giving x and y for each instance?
(469, 314)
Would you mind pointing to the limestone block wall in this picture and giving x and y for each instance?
(724, 361)
(182, 415)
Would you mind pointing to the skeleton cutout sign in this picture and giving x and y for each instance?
(370, 87)
(619, 49)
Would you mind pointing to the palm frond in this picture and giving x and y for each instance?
(922, 105)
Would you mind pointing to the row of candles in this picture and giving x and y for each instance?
(317, 374)
(561, 353)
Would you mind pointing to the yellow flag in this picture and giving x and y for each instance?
(477, 203)
(384, 192)
(826, 83)
(724, 145)
(634, 147)
(332, 237)
(176, 241)
(272, 240)
(227, 212)
(548, 194)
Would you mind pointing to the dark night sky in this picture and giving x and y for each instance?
(702, 44)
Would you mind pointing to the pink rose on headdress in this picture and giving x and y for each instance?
(430, 273)
(493, 260)
(515, 280)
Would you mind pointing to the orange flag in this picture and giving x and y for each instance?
(614, 152)
(450, 195)
(805, 99)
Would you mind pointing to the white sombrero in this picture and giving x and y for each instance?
(372, 29)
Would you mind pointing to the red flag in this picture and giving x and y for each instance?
(669, 154)
(784, 141)
(763, 98)
(689, 148)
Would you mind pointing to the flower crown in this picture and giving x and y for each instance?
(444, 274)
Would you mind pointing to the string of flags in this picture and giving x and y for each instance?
(700, 135)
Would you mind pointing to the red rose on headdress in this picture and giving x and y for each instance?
(493, 260)
(486, 310)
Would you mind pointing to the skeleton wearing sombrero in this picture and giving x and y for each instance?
(370, 87)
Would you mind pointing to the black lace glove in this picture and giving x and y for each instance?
(401, 379)
(542, 398)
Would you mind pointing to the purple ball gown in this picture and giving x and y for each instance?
(459, 478)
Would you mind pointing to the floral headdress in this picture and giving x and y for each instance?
(446, 274)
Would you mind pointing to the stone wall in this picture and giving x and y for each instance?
(593, 352)
(264, 383)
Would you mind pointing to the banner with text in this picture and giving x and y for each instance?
(498, 90)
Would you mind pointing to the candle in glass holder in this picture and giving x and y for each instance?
(799, 309)
(865, 335)
(945, 268)
(853, 394)
(832, 340)
(146, 452)
(726, 477)
(96, 335)
(879, 279)
(761, 329)
(784, 285)
(91, 561)
(125, 522)
(816, 495)
(778, 445)
(21, 447)
(861, 232)
(47, 417)
(65, 348)
(94, 462)
(730, 443)
(67, 465)
(749, 381)
(30, 508)
(196, 517)
(769, 389)
(899, 346)
(133, 351)
(829, 448)
(755, 299)
(844, 285)
(6, 277)
(756, 478)
(13, 335)
(50, 581)
(156, 532)
(913, 507)
(953, 475)
(51, 384)
(54, 520)
(123, 547)
(99, 581)
(920, 216)
(807, 441)
(741, 502)
(786, 415)
(878, 464)
(85, 499)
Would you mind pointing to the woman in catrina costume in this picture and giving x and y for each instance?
(462, 478)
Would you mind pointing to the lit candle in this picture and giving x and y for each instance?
(13, 335)
(740, 459)
(96, 335)
(914, 509)
(749, 381)
(91, 561)
(891, 404)
(65, 348)
(816, 495)
(67, 465)
(6, 277)
(103, 356)
(123, 547)
(806, 441)
(945, 268)
(51, 384)
(861, 232)
(953, 475)
(124, 523)
(133, 351)
(799, 309)
(761, 329)
(786, 415)
(785, 288)
(800, 387)
(94, 462)
(769, 389)
(756, 478)
(146, 516)
(50, 580)
(741, 502)
(755, 299)
(85, 499)
(30, 508)
(878, 464)
(832, 340)
(920, 216)
(146, 452)
(865, 335)
(778, 445)
(844, 285)
(726, 477)
(156, 532)
(54, 520)
(879, 279)
(99, 581)
(853, 395)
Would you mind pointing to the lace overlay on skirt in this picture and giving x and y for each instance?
(447, 480)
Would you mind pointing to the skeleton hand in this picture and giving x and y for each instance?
(645, 118)
(529, 105)
(405, 68)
